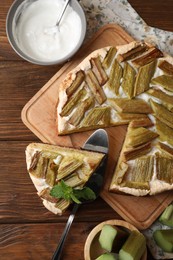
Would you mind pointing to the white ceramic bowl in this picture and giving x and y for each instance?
(13, 17)
(92, 248)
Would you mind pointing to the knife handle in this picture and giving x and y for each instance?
(58, 251)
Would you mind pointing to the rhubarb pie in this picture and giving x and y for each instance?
(130, 84)
(48, 165)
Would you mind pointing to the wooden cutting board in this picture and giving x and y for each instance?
(39, 115)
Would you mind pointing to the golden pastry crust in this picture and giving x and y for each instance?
(87, 163)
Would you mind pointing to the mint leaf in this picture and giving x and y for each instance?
(61, 191)
(75, 199)
(86, 194)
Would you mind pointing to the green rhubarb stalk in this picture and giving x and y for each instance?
(134, 247)
(164, 239)
(110, 232)
(167, 216)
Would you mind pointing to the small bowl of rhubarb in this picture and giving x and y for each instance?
(115, 239)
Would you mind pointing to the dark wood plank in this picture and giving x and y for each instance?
(5, 5)
(156, 13)
(16, 131)
(19, 81)
(6, 51)
(37, 242)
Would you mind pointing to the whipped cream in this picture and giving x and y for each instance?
(38, 36)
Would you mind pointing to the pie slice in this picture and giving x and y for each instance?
(48, 165)
(145, 166)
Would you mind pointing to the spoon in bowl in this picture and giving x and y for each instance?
(62, 12)
(97, 142)
(55, 29)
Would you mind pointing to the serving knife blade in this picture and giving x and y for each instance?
(98, 142)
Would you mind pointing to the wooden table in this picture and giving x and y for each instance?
(27, 229)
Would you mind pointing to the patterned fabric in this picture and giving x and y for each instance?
(101, 12)
(156, 251)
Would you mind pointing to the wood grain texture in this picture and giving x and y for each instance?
(156, 13)
(19, 81)
(27, 230)
(38, 241)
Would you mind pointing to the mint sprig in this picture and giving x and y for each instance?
(63, 191)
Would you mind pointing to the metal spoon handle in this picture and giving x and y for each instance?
(58, 251)
(62, 12)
